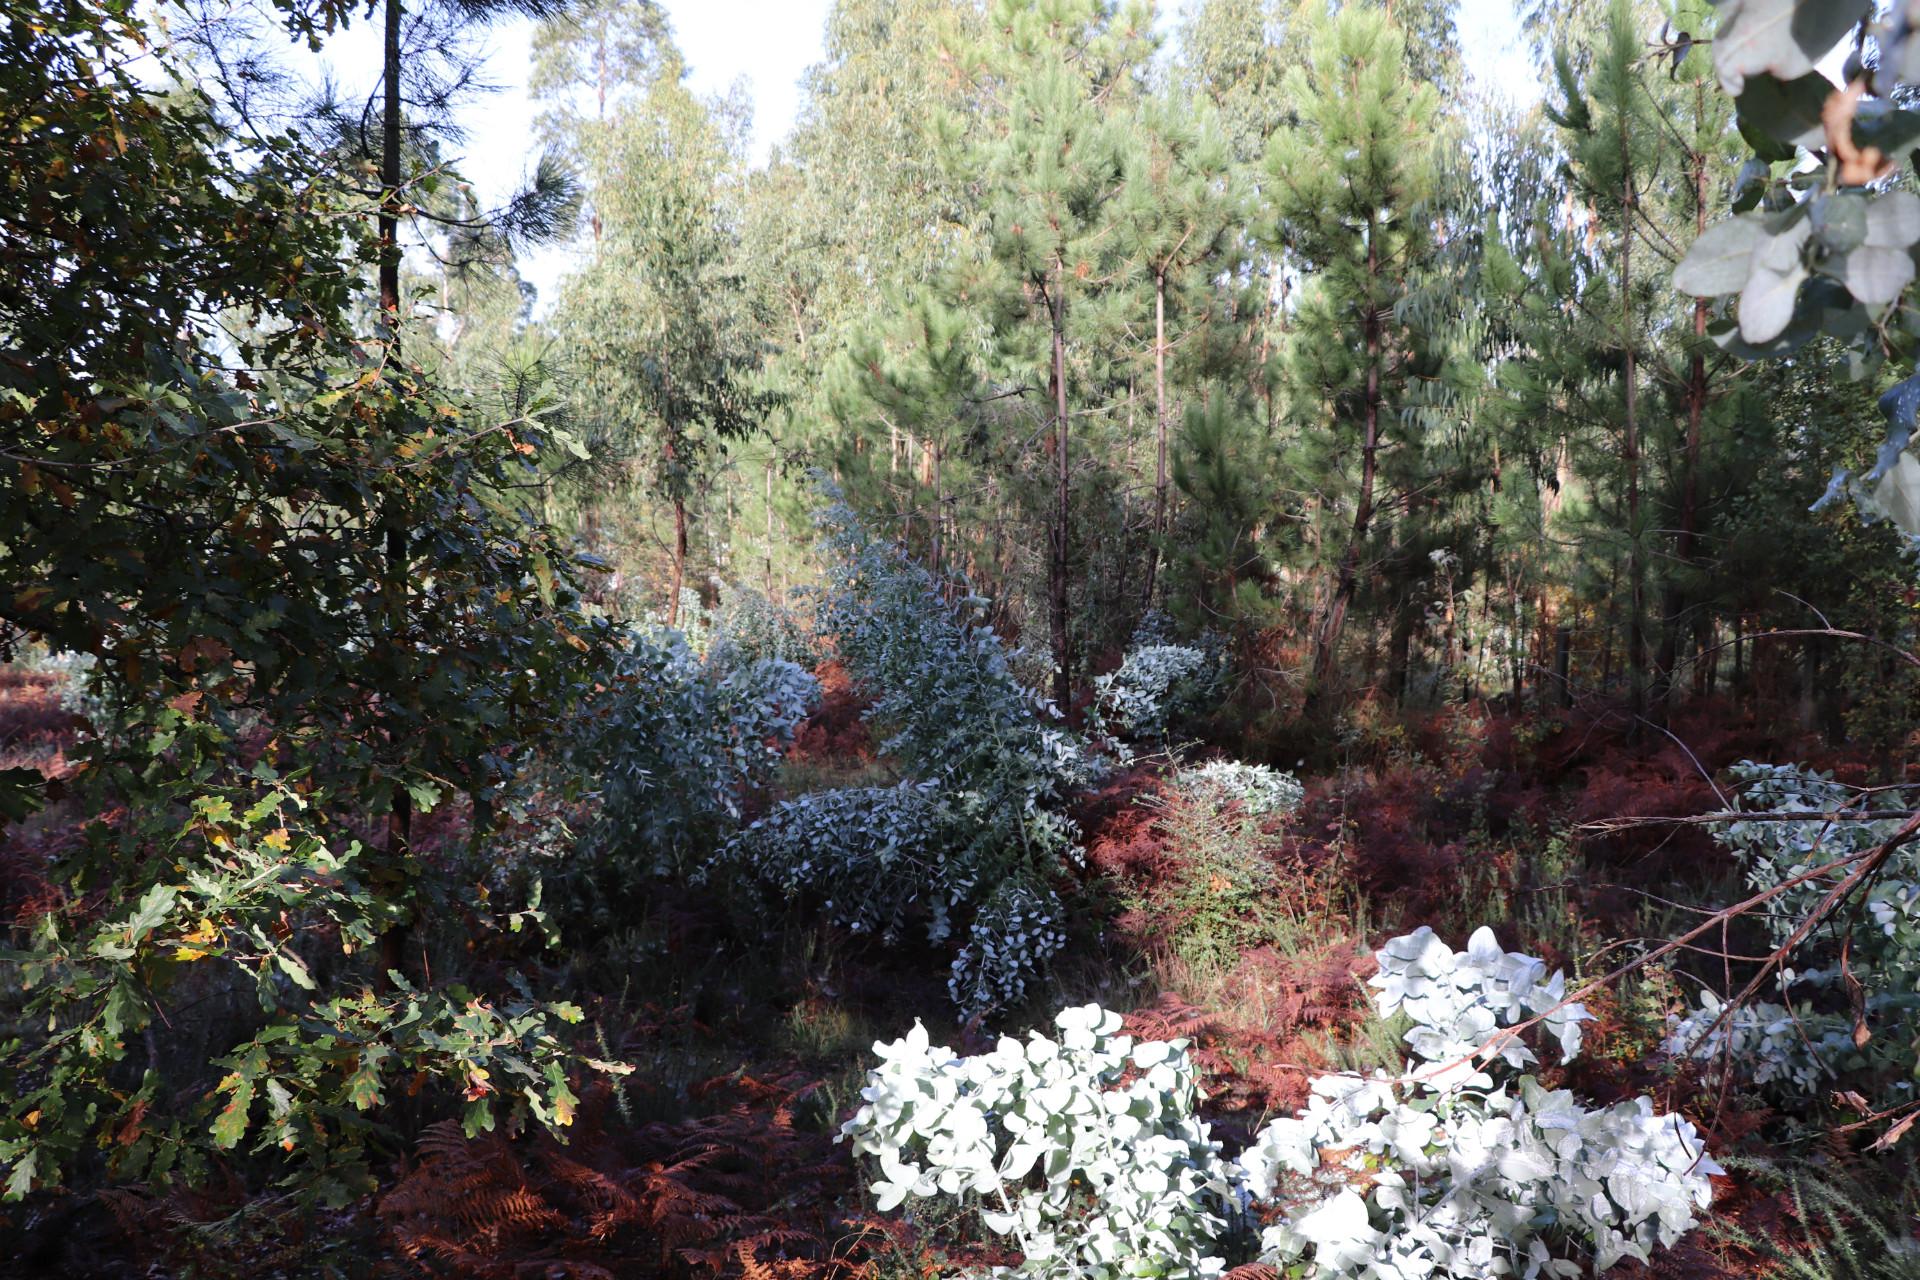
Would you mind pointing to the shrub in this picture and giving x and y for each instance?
(1460, 1166)
(879, 852)
(749, 628)
(1800, 1047)
(1015, 934)
(1086, 1150)
(1154, 688)
(264, 907)
(677, 742)
(1256, 789)
(974, 835)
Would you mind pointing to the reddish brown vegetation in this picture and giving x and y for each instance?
(737, 1192)
(836, 732)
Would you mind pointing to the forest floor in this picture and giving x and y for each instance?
(750, 1037)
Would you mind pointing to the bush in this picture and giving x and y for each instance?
(677, 742)
(1256, 789)
(749, 628)
(1086, 1151)
(1461, 1166)
(974, 834)
(878, 851)
(1156, 687)
(1799, 1048)
(264, 909)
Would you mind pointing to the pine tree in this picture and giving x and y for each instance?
(1350, 181)
(1178, 212)
(1045, 151)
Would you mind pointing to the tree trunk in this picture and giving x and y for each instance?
(1636, 568)
(1347, 584)
(1673, 602)
(1399, 654)
(400, 812)
(1159, 431)
(938, 520)
(769, 545)
(1057, 541)
(1563, 663)
(679, 569)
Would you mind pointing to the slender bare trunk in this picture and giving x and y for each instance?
(1159, 431)
(1347, 584)
(679, 569)
(1636, 566)
(769, 545)
(938, 520)
(387, 225)
(1673, 603)
(1062, 478)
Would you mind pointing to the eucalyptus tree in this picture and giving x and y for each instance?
(661, 349)
(1350, 181)
(590, 55)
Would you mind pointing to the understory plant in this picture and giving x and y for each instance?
(1258, 790)
(1085, 1150)
(1223, 892)
(1860, 973)
(677, 743)
(1155, 687)
(968, 844)
(255, 944)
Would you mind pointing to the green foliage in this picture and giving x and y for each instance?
(253, 900)
(677, 744)
(309, 582)
(1857, 1228)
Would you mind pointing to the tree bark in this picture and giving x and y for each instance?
(387, 226)
(1636, 567)
(1673, 600)
(1159, 431)
(679, 570)
(1057, 540)
(1347, 584)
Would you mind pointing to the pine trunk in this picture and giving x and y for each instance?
(1159, 432)
(1673, 603)
(1057, 541)
(1327, 640)
(1636, 566)
(400, 812)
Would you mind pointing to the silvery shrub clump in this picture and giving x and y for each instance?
(682, 739)
(1087, 1152)
(1462, 1166)
(1259, 790)
(748, 627)
(968, 844)
(1154, 687)
(1083, 1148)
(1802, 1047)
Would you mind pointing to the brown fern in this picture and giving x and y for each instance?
(740, 1192)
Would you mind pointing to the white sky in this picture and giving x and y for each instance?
(768, 45)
